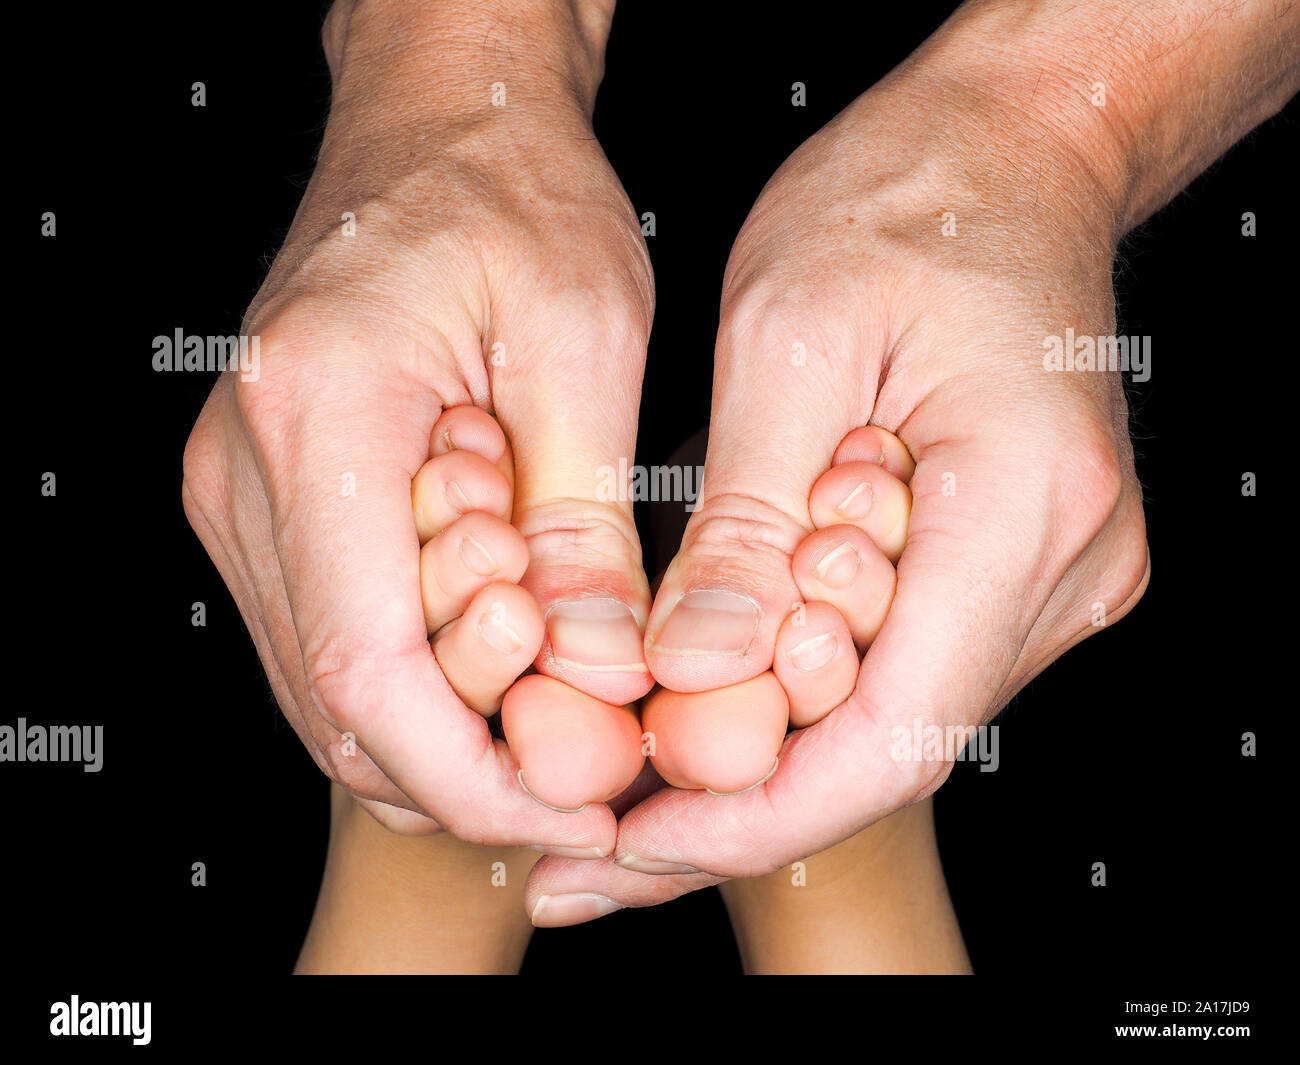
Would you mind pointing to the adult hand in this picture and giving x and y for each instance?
(462, 240)
(915, 264)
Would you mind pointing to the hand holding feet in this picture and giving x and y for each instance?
(572, 748)
(726, 740)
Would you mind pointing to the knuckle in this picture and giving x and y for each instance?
(558, 531)
(352, 774)
(343, 685)
(735, 522)
(765, 315)
(608, 317)
(266, 403)
(920, 778)
(203, 488)
(1130, 563)
(1090, 482)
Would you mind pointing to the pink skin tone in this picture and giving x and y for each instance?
(727, 740)
(573, 749)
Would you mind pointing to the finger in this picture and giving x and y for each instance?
(350, 560)
(566, 389)
(564, 891)
(941, 658)
(775, 422)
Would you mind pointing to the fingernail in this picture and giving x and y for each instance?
(584, 853)
(640, 865)
(839, 567)
(495, 629)
(813, 653)
(598, 634)
(476, 557)
(456, 498)
(857, 503)
(553, 911)
(709, 621)
(446, 439)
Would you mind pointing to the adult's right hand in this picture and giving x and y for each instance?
(496, 261)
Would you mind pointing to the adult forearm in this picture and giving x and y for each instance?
(1146, 93)
(446, 55)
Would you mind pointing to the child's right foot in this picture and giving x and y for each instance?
(727, 739)
(486, 630)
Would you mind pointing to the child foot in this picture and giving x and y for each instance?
(486, 629)
(726, 740)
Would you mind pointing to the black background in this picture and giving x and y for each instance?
(1127, 751)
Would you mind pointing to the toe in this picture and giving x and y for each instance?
(871, 443)
(726, 740)
(454, 484)
(472, 552)
(572, 749)
(486, 648)
(868, 496)
(840, 565)
(470, 429)
(815, 662)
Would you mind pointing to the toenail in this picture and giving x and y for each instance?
(553, 911)
(456, 498)
(640, 865)
(557, 809)
(839, 567)
(856, 503)
(813, 653)
(583, 853)
(476, 557)
(495, 629)
(764, 780)
(599, 634)
(446, 439)
(709, 621)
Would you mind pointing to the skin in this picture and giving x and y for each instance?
(367, 340)
(401, 904)
(940, 339)
(496, 262)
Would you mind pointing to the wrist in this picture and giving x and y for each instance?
(1132, 100)
(451, 63)
(1023, 125)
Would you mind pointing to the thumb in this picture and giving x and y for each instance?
(337, 453)
(979, 565)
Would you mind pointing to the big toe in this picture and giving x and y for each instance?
(572, 749)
